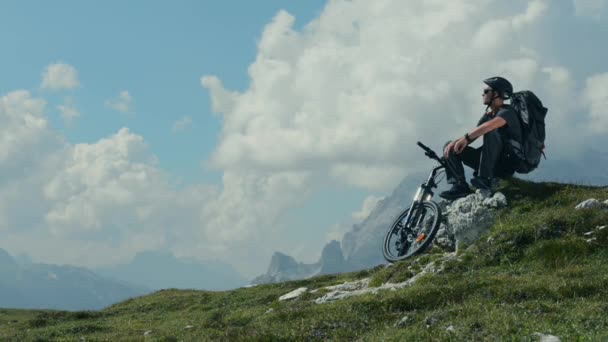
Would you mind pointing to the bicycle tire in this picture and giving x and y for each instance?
(429, 232)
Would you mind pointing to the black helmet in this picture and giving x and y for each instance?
(504, 87)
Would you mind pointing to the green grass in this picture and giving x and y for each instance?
(533, 271)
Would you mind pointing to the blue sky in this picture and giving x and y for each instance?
(156, 50)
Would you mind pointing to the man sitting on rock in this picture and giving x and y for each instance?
(493, 159)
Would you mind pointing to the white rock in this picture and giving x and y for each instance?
(342, 294)
(350, 286)
(450, 329)
(483, 194)
(294, 294)
(269, 310)
(188, 327)
(468, 218)
(405, 320)
(148, 333)
(497, 201)
(588, 204)
(546, 338)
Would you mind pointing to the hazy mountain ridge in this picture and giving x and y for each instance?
(161, 270)
(63, 287)
(43, 286)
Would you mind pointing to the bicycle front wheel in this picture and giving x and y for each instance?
(405, 239)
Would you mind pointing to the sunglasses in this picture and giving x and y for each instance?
(487, 90)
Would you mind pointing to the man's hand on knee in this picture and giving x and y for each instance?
(448, 149)
(460, 145)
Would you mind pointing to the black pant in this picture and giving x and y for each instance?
(490, 160)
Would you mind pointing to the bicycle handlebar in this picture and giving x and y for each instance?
(424, 147)
(430, 153)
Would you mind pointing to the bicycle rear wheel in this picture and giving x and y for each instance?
(405, 239)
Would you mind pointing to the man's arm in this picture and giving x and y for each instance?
(486, 127)
(482, 129)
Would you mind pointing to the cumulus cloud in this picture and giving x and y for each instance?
(337, 230)
(596, 97)
(60, 76)
(28, 153)
(182, 124)
(67, 110)
(369, 203)
(354, 90)
(122, 103)
(95, 202)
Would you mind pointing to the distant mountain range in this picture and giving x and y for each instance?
(28, 285)
(42, 286)
(161, 270)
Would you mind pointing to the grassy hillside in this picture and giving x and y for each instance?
(534, 271)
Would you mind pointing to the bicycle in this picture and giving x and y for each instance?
(416, 227)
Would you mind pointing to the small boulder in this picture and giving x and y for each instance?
(546, 337)
(405, 320)
(589, 204)
(293, 294)
(497, 201)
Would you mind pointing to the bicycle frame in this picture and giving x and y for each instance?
(424, 193)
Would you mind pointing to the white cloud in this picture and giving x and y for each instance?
(595, 96)
(369, 203)
(591, 8)
(356, 88)
(68, 110)
(123, 103)
(60, 76)
(337, 230)
(501, 31)
(182, 124)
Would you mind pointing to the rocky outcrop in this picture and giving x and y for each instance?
(284, 267)
(467, 218)
(362, 286)
(332, 261)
